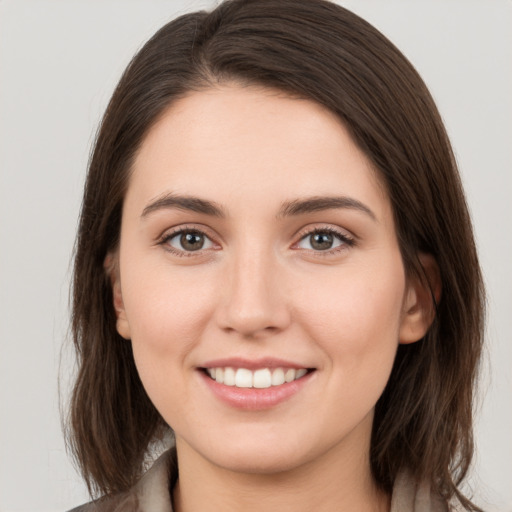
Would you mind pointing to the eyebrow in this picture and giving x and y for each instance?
(320, 203)
(288, 208)
(187, 203)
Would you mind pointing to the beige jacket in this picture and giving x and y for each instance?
(151, 493)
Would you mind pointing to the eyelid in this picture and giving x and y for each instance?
(345, 236)
(179, 228)
(172, 232)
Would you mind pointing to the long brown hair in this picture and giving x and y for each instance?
(321, 51)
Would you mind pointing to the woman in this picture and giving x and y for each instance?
(275, 261)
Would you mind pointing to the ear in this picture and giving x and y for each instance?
(111, 265)
(421, 296)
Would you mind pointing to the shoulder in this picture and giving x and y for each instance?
(126, 502)
(150, 494)
(411, 496)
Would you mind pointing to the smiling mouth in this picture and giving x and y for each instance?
(261, 378)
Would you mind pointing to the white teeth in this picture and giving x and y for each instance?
(277, 377)
(260, 379)
(243, 378)
(229, 377)
(300, 373)
(289, 375)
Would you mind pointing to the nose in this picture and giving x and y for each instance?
(254, 301)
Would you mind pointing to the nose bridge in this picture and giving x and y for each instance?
(253, 297)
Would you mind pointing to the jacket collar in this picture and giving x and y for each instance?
(153, 492)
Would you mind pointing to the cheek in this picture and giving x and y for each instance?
(167, 315)
(356, 319)
(166, 311)
(356, 325)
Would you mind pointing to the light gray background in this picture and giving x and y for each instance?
(59, 62)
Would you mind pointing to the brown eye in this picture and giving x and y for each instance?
(192, 241)
(324, 240)
(321, 241)
(188, 241)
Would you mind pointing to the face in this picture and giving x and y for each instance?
(260, 280)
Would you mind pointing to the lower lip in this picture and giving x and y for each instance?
(255, 399)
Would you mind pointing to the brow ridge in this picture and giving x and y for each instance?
(288, 208)
(190, 203)
(320, 203)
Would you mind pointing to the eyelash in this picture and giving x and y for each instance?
(347, 241)
(164, 241)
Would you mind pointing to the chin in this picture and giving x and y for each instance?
(256, 461)
(253, 453)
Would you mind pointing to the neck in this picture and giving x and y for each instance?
(328, 484)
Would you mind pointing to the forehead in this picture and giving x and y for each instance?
(252, 144)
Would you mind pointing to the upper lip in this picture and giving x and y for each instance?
(253, 364)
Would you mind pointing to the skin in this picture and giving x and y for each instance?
(259, 288)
